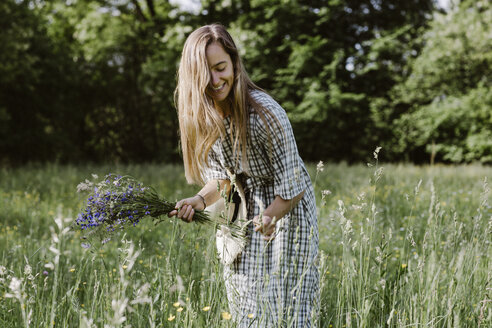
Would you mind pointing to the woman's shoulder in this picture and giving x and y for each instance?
(266, 101)
(262, 98)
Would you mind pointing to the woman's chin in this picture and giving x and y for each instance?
(219, 97)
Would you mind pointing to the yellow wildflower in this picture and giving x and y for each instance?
(171, 318)
(179, 309)
(72, 269)
(251, 315)
(176, 304)
(404, 265)
(226, 316)
(207, 308)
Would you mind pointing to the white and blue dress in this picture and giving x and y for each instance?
(276, 283)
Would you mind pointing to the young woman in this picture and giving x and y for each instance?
(228, 124)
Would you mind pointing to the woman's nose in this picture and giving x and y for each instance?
(215, 79)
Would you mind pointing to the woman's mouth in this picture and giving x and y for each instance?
(219, 88)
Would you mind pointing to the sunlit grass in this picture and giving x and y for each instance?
(410, 249)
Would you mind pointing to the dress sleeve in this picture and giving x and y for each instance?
(215, 169)
(278, 141)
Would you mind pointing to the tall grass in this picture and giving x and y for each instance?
(406, 246)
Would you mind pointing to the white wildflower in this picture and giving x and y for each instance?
(378, 174)
(325, 193)
(379, 257)
(131, 254)
(56, 251)
(382, 283)
(320, 167)
(15, 289)
(420, 265)
(376, 152)
(87, 322)
(119, 308)
(347, 229)
(84, 186)
(410, 238)
(142, 295)
(27, 270)
(59, 222)
(3, 270)
(178, 286)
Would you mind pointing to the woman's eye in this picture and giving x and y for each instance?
(220, 69)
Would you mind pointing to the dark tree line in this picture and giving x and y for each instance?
(93, 80)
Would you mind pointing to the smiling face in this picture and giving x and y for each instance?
(221, 73)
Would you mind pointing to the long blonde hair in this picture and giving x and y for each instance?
(200, 123)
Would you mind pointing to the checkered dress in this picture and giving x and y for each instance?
(276, 283)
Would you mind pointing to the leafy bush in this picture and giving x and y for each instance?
(458, 129)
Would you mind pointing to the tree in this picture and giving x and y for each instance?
(38, 88)
(88, 80)
(326, 62)
(447, 95)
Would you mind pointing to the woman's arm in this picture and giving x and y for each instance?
(274, 212)
(185, 208)
(279, 207)
(210, 192)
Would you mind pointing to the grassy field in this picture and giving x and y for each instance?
(401, 246)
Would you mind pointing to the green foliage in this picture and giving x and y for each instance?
(35, 108)
(448, 94)
(94, 80)
(458, 129)
(326, 68)
(457, 56)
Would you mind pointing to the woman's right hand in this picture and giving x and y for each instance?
(185, 208)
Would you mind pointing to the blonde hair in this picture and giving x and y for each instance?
(200, 123)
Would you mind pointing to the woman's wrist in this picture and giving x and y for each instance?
(202, 199)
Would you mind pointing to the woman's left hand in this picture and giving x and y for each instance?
(265, 226)
(185, 208)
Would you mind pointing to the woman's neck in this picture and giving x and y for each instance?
(224, 107)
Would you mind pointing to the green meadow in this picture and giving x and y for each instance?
(400, 246)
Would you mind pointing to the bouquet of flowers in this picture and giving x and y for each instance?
(117, 202)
